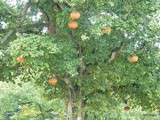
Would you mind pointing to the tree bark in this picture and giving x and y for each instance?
(50, 21)
(69, 105)
(74, 112)
(51, 28)
(80, 115)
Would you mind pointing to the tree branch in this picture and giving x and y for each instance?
(5, 38)
(11, 32)
(115, 53)
(51, 26)
(25, 27)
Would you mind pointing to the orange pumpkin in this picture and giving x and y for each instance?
(106, 29)
(133, 58)
(52, 82)
(75, 15)
(20, 59)
(73, 25)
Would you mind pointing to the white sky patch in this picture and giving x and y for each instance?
(157, 44)
(36, 17)
(13, 3)
(4, 25)
(44, 30)
(39, 14)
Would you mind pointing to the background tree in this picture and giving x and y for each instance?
(92, 59)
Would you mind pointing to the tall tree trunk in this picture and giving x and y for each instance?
(77, 95)
(70, 105)
(80, 115)
(75, 110)
(80, 111)
(51, 28)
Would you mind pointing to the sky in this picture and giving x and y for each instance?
(14, 2)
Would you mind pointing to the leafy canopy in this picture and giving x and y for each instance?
(82, 55)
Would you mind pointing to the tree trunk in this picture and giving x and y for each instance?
(69, 105)
(51, 29)
(72, 114)
(74, 109)
(80, 115)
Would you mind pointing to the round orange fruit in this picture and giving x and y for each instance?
(20, 59)
(73, 25)
(75, 15)
(133, 58)
(52, 82)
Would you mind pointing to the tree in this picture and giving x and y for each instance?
(90, 61)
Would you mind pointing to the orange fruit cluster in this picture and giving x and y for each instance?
(74, 16)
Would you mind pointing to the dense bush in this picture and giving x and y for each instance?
(27, 102)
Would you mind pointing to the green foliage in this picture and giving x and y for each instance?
(44, 56)
(27, 102)
(83, 55)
